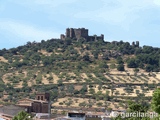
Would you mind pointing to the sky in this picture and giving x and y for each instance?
(35, 20)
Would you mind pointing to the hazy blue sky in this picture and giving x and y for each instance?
(34, 20)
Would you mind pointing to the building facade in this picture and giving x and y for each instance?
(38, 105)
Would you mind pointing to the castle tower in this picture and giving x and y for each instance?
(102, 36)
(62, 37)
(133, 43)
(71, 33)
(95, 37)
(137, 43)
(84, 32)
(78, 33)
(67, 32)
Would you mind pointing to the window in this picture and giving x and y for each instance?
(41, 97)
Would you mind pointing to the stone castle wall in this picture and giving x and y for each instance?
(83, 33)
(79, 33)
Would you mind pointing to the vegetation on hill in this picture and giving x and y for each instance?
(83, 52)
(98, 71)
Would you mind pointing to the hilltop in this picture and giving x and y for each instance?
(83, 71)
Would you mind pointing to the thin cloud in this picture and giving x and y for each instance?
(2, 7)
(156, 2)
(116, 19)
(118, 12)
(26, 32)
(53, 2)
(44, 4)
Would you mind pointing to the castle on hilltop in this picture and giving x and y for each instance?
(80, 33)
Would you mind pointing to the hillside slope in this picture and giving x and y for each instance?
(80, 73)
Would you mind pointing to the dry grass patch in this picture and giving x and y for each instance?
(2, 59)
(78, 50)
(45, 80)
(78, 87)
(4, 77)
(83, 75)
(44, 52)
(19, 85)
(55, 78)
(77, 101)
(71, 74)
